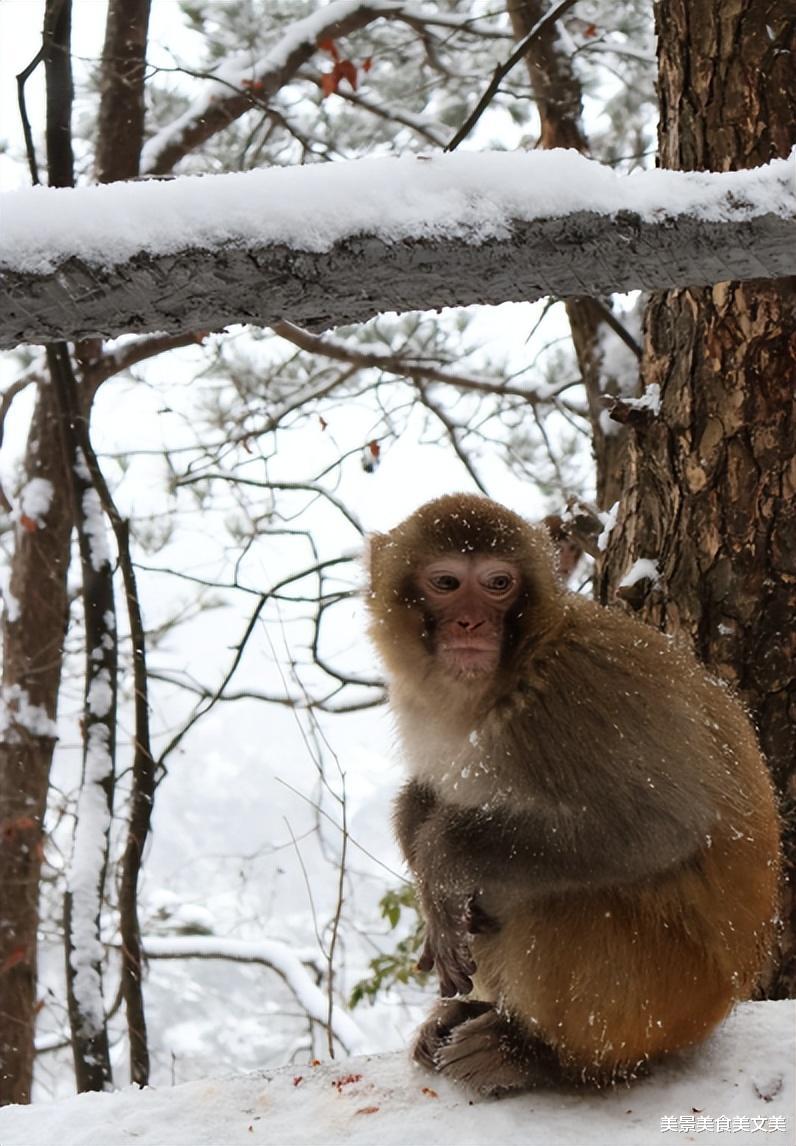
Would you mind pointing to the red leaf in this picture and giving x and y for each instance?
(329, 83)
(27, 523)
(347, 71)
(329, 46)
(367, 63)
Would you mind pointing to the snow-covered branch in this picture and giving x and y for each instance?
(270, 953)
(242, 82)
(340, 242)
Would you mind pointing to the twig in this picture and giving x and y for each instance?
(392, 363)
(307, 487)
(610, 319)
(502, 70)
(30, 149)
(451, 431)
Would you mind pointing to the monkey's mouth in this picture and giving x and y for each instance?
(470, 657)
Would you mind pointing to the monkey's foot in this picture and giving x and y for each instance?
(491, 1054)
(440, 1024)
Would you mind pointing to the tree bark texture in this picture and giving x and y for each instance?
(201, 289)
(34, 626)
(120, 133)
(710, 485)
(32, 650)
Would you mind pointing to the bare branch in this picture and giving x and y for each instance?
(503, 70)
(610, 319)
(30, 149)
(308, 487)
(279, 957)
(419, 126)
(453, 437)
(392, 363)
(114, 362)
(30, 378)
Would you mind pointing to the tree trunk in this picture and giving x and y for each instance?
(34, 624)
(710, 481)
(120, 130)
(559, 100)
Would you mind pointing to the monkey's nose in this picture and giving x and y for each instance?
(470, 626)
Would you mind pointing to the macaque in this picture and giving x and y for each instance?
(588, 818)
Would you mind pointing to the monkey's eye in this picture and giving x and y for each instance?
(500, 582)
(445, 582)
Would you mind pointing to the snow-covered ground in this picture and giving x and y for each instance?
(739, 1088)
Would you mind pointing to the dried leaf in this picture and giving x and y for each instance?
(347, 71)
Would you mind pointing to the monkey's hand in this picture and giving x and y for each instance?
(448, 949)
(478, 920)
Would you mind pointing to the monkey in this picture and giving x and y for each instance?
(590, 824)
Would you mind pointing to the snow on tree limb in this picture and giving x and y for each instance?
(280, 957)
(327, 244)
(241, 82)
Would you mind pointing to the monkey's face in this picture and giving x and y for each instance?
(466, 598)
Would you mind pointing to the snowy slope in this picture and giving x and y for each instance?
(738, 1088)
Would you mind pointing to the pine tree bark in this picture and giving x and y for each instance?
(710, 483)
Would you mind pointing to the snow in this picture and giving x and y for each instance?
(740, 1084)
(278, 955)
(100, 693)
(609, 520)
(471, 196)
(35, 499)
(649, 400)
(10, 602)
(94, 528)
(16, 710)
(84, 876)
(643, 567)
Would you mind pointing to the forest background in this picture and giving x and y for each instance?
(238, 473)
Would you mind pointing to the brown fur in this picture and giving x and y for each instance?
(600, 801)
